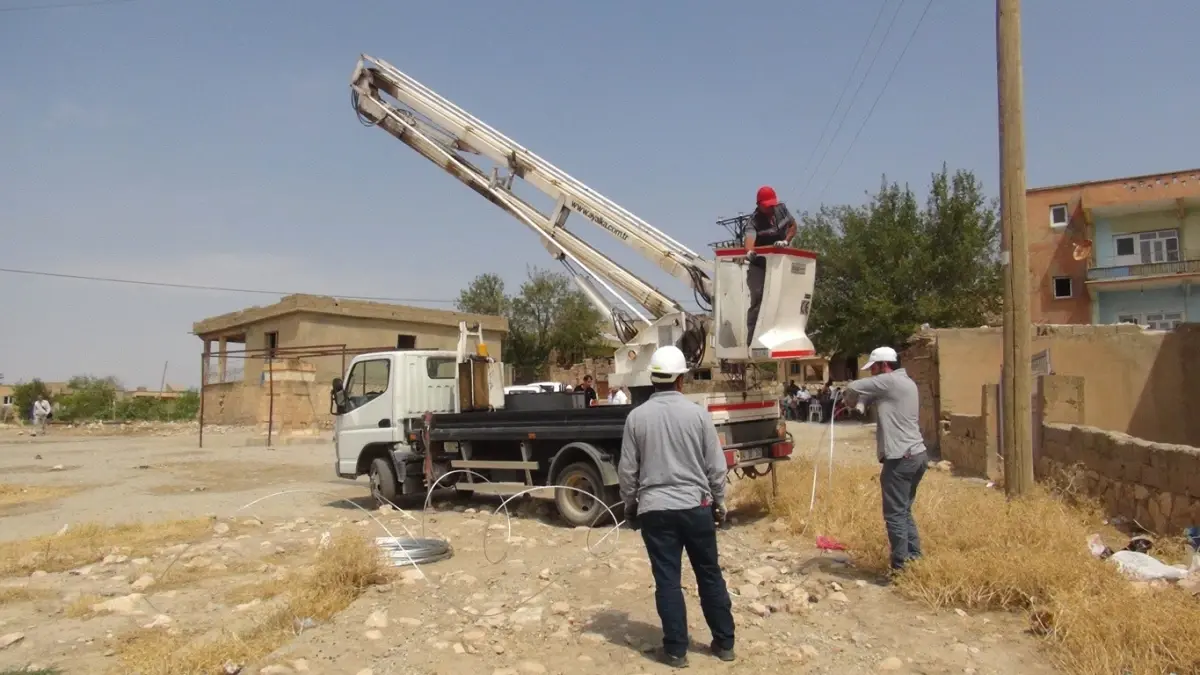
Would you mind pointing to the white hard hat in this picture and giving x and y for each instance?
(880, 355)
(667, 363)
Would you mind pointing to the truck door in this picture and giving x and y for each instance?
(369, 416)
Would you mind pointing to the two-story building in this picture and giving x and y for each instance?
(1114, 251)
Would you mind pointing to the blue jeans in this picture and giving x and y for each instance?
(667, 535)
(899, 480)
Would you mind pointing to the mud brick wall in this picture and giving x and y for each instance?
(965, 444)
(1156, 484)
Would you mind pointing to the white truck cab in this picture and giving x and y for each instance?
(384, 397)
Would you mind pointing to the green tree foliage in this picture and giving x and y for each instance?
(153, 409)
(88, 398)
(547, 317)
(25, 394)
(886, 267)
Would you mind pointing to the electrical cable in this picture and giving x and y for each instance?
(199, 287)
(853, 99)
(63, 5)
(845, 87)
(879, 96)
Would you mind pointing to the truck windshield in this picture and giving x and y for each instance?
(441, 368)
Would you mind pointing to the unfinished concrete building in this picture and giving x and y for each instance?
(274, 364)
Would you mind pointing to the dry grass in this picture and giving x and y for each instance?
(339, 575)
(90, 542)
(984, 552)
(81, 607)
(17, 495)
(259, 590)
(11, 594)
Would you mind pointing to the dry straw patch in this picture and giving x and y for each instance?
(339, 575)
(12, 594)
(986, 553)
(90, 542)
(16, 495)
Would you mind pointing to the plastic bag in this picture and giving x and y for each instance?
(1144, 567)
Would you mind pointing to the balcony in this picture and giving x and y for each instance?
(1117, 269)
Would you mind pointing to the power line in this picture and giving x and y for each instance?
(886, 82)
(854, 97)
(199, 287)
(845, 87)
(63, 5)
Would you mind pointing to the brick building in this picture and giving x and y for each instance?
(1120, 250)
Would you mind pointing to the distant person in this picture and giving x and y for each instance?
(41, 414)
(672, 481)
(589, 392)
(898, 446)
(617, 396)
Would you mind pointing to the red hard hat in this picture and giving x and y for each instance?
(766, 197)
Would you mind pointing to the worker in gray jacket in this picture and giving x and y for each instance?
(672, 476)
(899, 447)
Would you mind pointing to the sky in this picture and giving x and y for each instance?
(212, 142)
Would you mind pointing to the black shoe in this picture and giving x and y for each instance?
(673, 661)
(726, 655)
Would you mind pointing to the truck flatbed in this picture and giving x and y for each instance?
(571, 424)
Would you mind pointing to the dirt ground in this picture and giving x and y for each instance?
(543, 604)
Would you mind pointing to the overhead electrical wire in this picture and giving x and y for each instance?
(854, 97)
(845, 87)
(63, 5)
(879, 96)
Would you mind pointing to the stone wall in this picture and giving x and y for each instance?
(965, 444)
(1156, 484)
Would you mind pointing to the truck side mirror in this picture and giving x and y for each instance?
(337, 397)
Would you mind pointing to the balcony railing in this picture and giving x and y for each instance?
(1189, 263)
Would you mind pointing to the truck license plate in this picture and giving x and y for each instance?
(749, 455)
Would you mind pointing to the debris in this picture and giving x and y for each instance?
(11, 639)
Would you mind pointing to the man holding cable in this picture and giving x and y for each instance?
(898, 446)
(672, 476)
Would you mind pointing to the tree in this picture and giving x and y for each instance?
(886, 267)
(25, 394)
(547, 318)
(88, 398)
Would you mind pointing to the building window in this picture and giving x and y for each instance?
(406, 341)
(272, 344)
(8, 400)
(1158, 247)
(1058, 215)
(1153, 320)
(1062, 288)
(1125, 246)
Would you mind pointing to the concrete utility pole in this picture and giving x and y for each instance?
(1017, 376)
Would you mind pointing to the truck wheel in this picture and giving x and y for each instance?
(383, 481)
(577, 508)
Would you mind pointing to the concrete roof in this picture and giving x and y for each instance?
(1150, 177)
(358, 309)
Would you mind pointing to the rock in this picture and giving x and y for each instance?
(765, 573)
(749, 591)
(809, 651)
(527, 615)
(408, 621)
(114, 559)
(544, 575)
(377, 619)
(11, 639)
(560, 608)
(159, 621)
(530, 668)
(891, 663)
(365, 671)
(505, 671)
(58, 467)
(300, 665)
(474, 636)
(779, 525)
(592, 638)
(459, 648)
(221, 528)
(760, 609)
(836, 586)
(134, 603)
(143, 582)
(960, 612)
(373, 635)
(838, 596)
(37, 574)
(275, 670)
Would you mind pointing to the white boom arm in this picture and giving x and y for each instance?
(440, 130)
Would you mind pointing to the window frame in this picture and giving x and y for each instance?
(362, 400)
(1066, 211)
(431, 370)
(1070, 286)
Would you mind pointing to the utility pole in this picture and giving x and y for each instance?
(1017, 436)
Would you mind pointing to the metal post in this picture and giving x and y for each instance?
(204, 358)
(271, 399)
(1017, 437)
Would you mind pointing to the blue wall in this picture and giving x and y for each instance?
(1112, 303)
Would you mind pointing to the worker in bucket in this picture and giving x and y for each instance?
(672, 477)
(898, 446)
(773, 224)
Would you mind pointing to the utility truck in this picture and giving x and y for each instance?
(406, 419)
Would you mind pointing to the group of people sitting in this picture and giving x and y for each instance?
(798, 401)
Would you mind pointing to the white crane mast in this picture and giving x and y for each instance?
(440, 130)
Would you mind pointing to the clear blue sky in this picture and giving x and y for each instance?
(212, 141)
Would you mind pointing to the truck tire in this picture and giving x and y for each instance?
(382, 477)
(578, 509)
